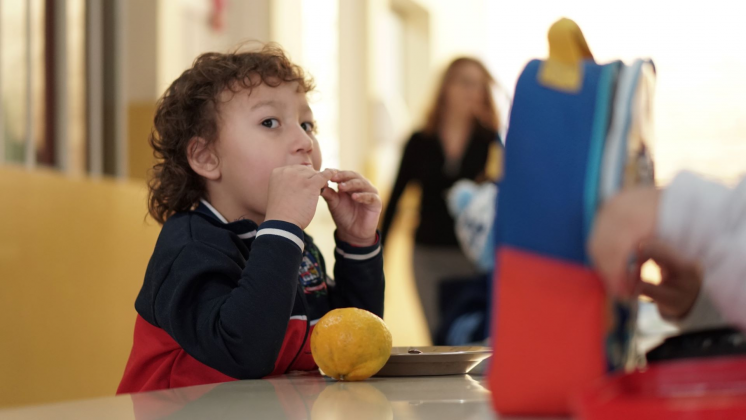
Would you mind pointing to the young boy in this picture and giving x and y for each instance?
(234, 287)
(695, 230)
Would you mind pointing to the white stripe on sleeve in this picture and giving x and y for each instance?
(359, 257)
(285, 234)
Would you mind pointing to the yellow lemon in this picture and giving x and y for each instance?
(350, 344)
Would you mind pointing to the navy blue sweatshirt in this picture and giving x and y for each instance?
(224, 301)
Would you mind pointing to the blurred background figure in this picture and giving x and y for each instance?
(461, 127)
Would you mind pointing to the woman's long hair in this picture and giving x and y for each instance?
(489, 118)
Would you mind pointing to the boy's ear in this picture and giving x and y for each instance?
(203, 159)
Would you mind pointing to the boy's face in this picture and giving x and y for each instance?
(270, 128)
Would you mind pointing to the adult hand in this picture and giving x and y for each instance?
(680, 284)
(623, 223)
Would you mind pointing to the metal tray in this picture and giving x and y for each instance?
(434, 360)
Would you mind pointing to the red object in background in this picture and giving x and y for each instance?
(548, 331)
(692, 389)
(217, 17)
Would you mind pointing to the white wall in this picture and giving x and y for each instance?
(457, 28)
(184, 32)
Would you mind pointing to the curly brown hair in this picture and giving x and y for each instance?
(189, 108)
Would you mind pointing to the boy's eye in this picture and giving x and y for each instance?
(307, 127)
(271, 123)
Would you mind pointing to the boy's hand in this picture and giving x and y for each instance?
(680, 280)
(294, 193)
(622, 224)
(355, 208)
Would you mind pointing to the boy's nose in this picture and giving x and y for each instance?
(302, 142)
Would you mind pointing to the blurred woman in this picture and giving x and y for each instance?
(461, 127)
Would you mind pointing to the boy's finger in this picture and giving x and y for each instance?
(366, 198)
(323, 177)
(331, 197)
(342, 176)
(303, 170)
(329, 173)
(357, 185)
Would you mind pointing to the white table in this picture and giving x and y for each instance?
(295, 396)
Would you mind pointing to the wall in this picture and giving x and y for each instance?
(142, 82)
(73, 252)
(163, 38)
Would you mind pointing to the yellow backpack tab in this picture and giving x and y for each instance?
(563, 70)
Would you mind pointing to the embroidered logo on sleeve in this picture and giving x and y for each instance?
(311, 277)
